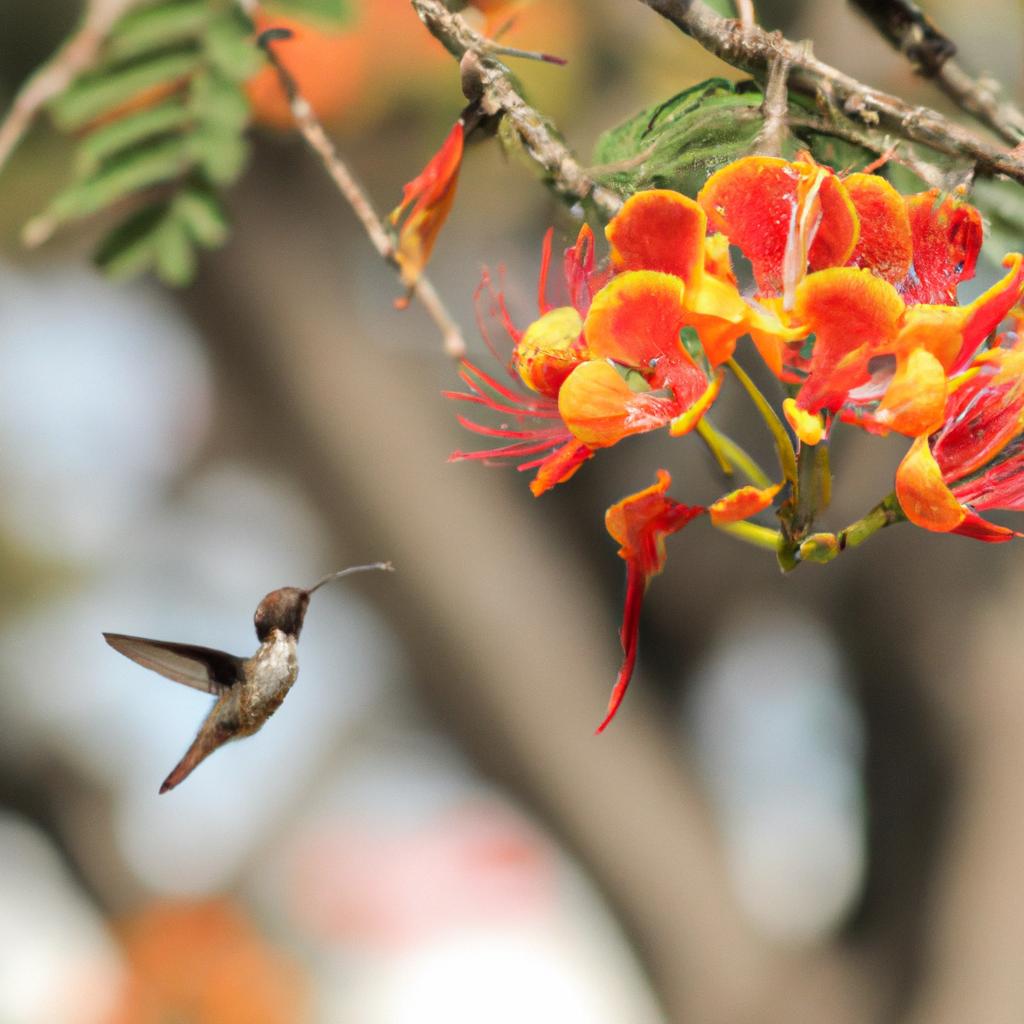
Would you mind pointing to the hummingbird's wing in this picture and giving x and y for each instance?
(202, 667)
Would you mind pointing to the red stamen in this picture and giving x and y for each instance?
(461, 396)
(545, 263)
(479, 428)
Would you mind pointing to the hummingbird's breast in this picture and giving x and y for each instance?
(269, 675)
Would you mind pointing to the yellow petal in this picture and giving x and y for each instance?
(922, 492)
(742, 503)
(915, 400)
(806, 425)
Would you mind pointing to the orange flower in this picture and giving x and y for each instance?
(664, 231)
(430, 195)
(542, 358)
(865, 273)
(947, 236)
(783, 217)
(791, 217)
(975, 461)
(634, 323)
(611, 365)
(857, 317)
(640, 523)
(205, 962)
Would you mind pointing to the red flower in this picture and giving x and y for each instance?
(430, 195)
(857, 317)
(975, 461)
(640, 523)
(782, 216)
(866, 273)
(543, 356)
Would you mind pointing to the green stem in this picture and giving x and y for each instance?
(824, 547)
(811, 496)
(751, 533)
(730, 456)
(783, 444)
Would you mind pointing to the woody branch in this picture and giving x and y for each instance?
(316, 137)
(487, 80)
(755, 51)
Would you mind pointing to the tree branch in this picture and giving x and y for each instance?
(486, 79)
(74, 57)
(753, 50)
(931, 52)
(319, 142)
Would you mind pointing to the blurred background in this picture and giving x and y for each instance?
(807, 809)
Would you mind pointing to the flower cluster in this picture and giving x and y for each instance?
(852, 305)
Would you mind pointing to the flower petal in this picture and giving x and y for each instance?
(923, 494)
(807, 426)
(937, 329)
(854, 315)
(985, 413)
(986, 312)
(769, 208)
(981, 529)
(430, 195)
(636, 318)
(687, 420)
(947, 238)
(719, 314)
(742, 503)
(549, 350)
(559, 466)
(600, 408)
(640, 523)
(915, 399)
(659, 230)
(885, 245)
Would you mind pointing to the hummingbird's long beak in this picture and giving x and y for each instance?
(382, 566)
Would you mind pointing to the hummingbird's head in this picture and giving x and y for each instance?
(282, 609)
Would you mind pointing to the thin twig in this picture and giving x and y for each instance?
(752, 50)
(884, 145)
(932, 52)
(317, 139)
(775, 109)
(53, 77)
(745, 13)
(486, 79)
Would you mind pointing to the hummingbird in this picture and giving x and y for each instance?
(248, 690)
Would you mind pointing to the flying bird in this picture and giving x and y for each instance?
(248, 690)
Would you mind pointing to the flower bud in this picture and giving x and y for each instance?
(550, 349)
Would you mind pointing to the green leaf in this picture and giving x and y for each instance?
(219, 102)
(127, 131)
(181, 146)
(327, 13)
(129, 250)
(157, 27)
(221, 156)
(102, 92)
(231, 48)
(679, 143)
(132, 170)
(200, 211)
(690, 340)
(175, 258)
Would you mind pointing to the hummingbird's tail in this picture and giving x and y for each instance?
(208, 740)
